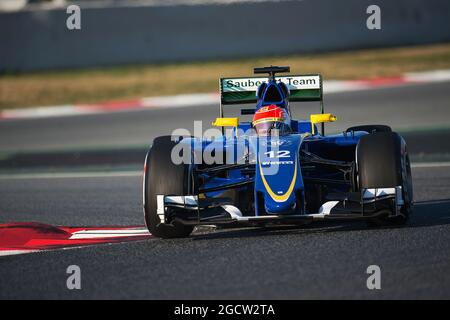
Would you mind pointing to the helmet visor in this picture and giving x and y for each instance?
(266, 128)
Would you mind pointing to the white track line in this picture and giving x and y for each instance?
(70, 175)
(181, 101)
(428, 76)
(15, 252)
(430, 164)
(12, 252)
(92, 234)
(428, 202)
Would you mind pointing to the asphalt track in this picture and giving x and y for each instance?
(317, 261)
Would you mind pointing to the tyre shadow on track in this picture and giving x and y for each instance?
(425, 214)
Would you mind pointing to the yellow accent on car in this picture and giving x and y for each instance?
(274, 196)
(321, 117)
(226, 122)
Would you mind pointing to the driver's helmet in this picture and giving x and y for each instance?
(271, 117)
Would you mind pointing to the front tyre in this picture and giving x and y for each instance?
(383, 162)
(163, 177)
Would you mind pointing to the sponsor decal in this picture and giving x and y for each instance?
(279, 197)
(272, 163)
(251, 84)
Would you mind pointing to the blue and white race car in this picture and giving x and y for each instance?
(274, 169)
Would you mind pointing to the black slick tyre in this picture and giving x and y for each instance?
(163, 177)
(383, 162)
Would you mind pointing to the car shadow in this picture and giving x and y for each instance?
(426, 214)
(430, 213)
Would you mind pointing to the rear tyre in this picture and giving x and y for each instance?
(383, 162)
(163, 177)
(371, 128)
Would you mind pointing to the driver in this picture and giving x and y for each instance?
(271, 117)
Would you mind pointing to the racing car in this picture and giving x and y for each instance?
(274, 169)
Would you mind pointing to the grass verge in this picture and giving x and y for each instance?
(127, 82)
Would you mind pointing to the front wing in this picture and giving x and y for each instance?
(192, 210)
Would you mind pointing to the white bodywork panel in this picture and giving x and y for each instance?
(380, 192)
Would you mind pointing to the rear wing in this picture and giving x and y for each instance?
(306, 87)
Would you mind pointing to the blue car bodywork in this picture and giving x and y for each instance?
(291, 178)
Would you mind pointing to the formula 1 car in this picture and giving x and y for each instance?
(273, 169)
